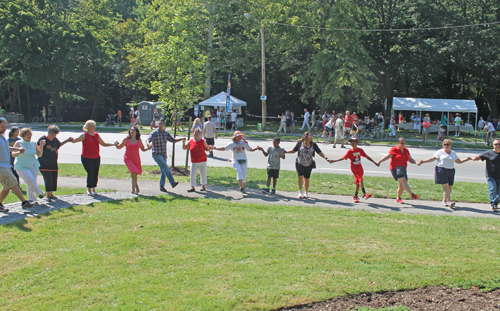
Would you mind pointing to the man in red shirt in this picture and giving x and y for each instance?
(354, 154)
(347, 123)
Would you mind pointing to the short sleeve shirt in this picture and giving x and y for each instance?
(4, 152)
(305, 155)
(233, 117)
(48, 160)
(458, 120)
(239, 149)
(492, 163)
(306, 116)
(348, 121)
(399, 158)
(339, 124)
(274, 158)
(355, 157)
(209, 129)
(445, 160)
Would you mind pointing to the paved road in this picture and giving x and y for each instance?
(470, 171)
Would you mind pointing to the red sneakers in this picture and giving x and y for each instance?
(414, 196)
(399, 201)
(366, 196)
(356, 199)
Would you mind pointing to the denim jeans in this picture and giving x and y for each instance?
(494, 190)
(165, 171)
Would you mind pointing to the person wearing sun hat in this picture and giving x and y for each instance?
(239, 146)
(458, 122)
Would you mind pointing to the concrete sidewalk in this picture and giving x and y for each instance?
(287, 198)
(122, 189)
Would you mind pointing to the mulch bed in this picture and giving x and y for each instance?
(176, 171)
(428, 298)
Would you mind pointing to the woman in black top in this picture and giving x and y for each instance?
(48, 161)
(304, 163)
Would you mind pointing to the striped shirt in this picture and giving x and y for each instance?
(159, 141)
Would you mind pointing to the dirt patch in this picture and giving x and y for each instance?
(428, 298)
(176, 171)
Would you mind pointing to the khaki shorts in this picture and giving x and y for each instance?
(339, 135)
(7, 178)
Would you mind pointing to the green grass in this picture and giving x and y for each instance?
(12, 198)
(175, 253)
(326, 183)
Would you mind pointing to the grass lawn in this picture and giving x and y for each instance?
(326, 183)
(176, 253)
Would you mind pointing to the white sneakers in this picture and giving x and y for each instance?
(304, 195)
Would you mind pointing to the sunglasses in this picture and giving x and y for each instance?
(402, 143)
(496, 144)
(446, 144)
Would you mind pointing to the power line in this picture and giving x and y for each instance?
(386, 30)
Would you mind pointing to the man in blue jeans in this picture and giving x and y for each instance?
(158, 140)
(492, 158)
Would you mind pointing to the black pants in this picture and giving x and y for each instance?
(92, 168)
(50, 180)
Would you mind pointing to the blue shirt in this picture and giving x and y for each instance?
(27, 159)
(4, 152)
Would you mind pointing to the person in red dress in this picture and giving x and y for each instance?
(132, 144)
(400, 156)
(354, 154)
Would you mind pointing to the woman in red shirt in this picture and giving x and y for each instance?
(400, 156)
(91, 158)
(197, 147)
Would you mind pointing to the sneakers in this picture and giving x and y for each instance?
(495, 208)
(273, 191)
(399, 201)
(162, 189)
(175, 184)
(27, 204)
(444, 203)
(41, 196)
(414, 196)
(334, 146)
(355, 199)
(300, 196)
(242, 189)
(3, 209)
(342, 146)
(265, 191)
(366, 196)
(452, 205)
(306, 195)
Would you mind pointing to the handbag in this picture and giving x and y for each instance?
(313, 165)
(401, 171)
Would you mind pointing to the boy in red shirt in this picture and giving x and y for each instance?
(354, 154)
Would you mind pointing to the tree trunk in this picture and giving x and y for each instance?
(491, 100)
(96, 100)
(208, 62)
(19, 97)
(11, 101)
(29, 101)
(56, 97)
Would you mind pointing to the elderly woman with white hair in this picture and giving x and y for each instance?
(91, 158)
(197, 147)
(26, 164)
(48, 160)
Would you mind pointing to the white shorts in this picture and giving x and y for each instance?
(241, 170)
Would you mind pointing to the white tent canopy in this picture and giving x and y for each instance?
(433, 104)
(219, 100)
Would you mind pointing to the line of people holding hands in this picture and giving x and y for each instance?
(31, 157)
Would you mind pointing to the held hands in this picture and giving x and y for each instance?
(21, 150)
(42, 143)
(116, 143)
(330, 161)
(468, 159)
(419, 162)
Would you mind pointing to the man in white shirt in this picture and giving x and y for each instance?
(480, 123)
(306, 120)
(490, 129)
(210, 134)
(233, 120)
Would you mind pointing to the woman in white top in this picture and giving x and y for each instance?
(239, 146)
(26, 163)
(445, 170)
